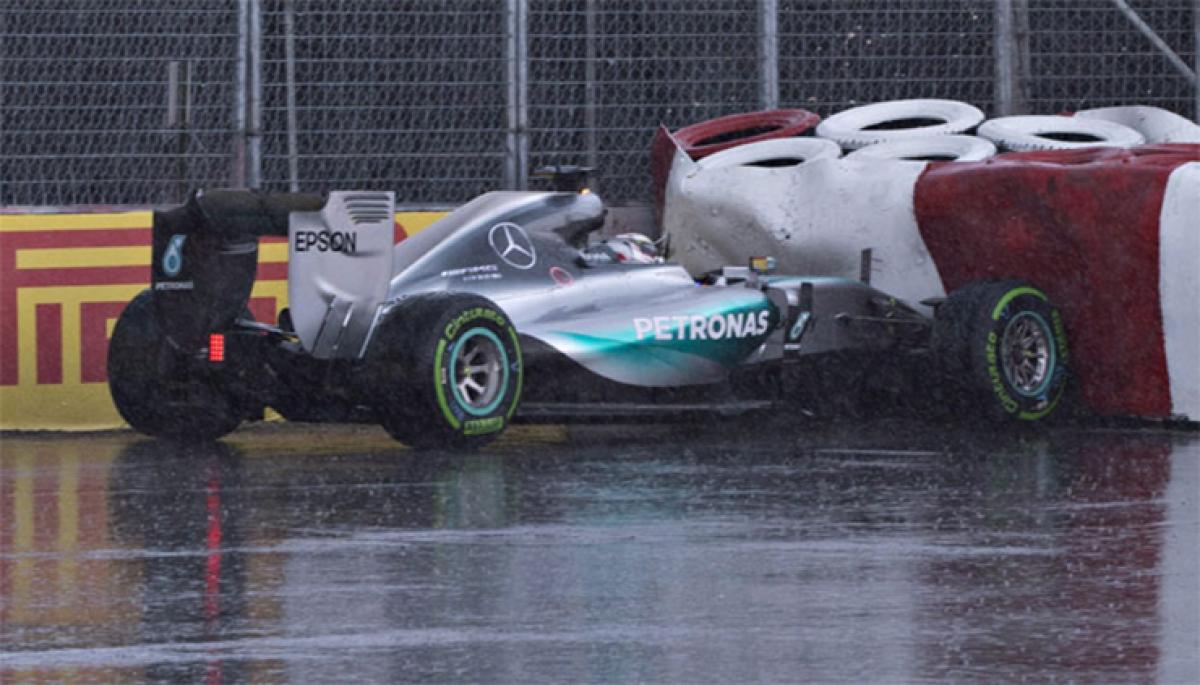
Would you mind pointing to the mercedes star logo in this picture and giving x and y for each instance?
(512, 245)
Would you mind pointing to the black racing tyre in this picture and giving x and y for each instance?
(708, 137)
(150, 387)
(1026, 133)
(1003, 346)
(882, 122)
(446, 371)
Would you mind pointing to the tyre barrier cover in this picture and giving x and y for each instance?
(714, 135)
(1111, 235)
(858, 127)
(951, 148)
(1156, 124)
(814, 218)
(1053, 132)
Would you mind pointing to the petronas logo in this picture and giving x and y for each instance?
(172, 262)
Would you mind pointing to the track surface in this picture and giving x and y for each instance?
(727, 553)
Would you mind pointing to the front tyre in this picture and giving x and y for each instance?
(1003, 344)
(151, 386)
(446, 371)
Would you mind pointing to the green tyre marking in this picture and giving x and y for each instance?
(1014, 294)
(483, 426)
(512, 333)
(461, 320)
(1060, 335)
(440, 388)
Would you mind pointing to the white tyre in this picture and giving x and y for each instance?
(783, 152)
(1156, 124)
(1054, 132)
(952, 148)
(898, 119)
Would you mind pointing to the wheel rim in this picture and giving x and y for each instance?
(479, 371)
(1027, 353)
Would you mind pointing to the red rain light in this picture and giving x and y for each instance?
(216, 347)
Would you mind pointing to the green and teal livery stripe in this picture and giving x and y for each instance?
(677, 341)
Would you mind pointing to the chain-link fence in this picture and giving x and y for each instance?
(408, 98)
(83, 99)
(136, 101)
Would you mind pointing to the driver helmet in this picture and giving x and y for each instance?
(634, 248)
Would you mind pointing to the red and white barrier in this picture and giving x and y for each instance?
(1112, 235)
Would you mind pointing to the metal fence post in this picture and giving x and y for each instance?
(254, 97)
(179, 121)
(237, 170)
(1006, 50)
(589, 84)
(768, 54)
(516, 47)
(289, 49)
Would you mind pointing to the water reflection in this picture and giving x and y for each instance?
(871, 554)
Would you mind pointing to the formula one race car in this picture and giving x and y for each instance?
(510, 308)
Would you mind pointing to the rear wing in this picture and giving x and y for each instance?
(205, 254)
(205, 258)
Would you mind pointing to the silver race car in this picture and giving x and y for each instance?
(511, 308)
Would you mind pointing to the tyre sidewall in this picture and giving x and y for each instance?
(136, 354)
(411, 357)
(478, 320)
(1000, 306)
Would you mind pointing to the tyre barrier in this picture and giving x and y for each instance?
(787, 152)
(1108, 233)
(898, 119)
(1156, 124)
(714, 135)
(1027, 133)
(951, 148)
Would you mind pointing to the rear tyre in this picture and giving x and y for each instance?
(1003, 346)
(151, 387)
(446, 371)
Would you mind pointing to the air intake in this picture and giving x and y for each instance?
(368, 208)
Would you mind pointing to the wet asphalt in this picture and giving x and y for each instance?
(725, 553)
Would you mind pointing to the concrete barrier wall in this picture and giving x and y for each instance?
(64, 279)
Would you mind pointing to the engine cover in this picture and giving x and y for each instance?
(339, 265)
